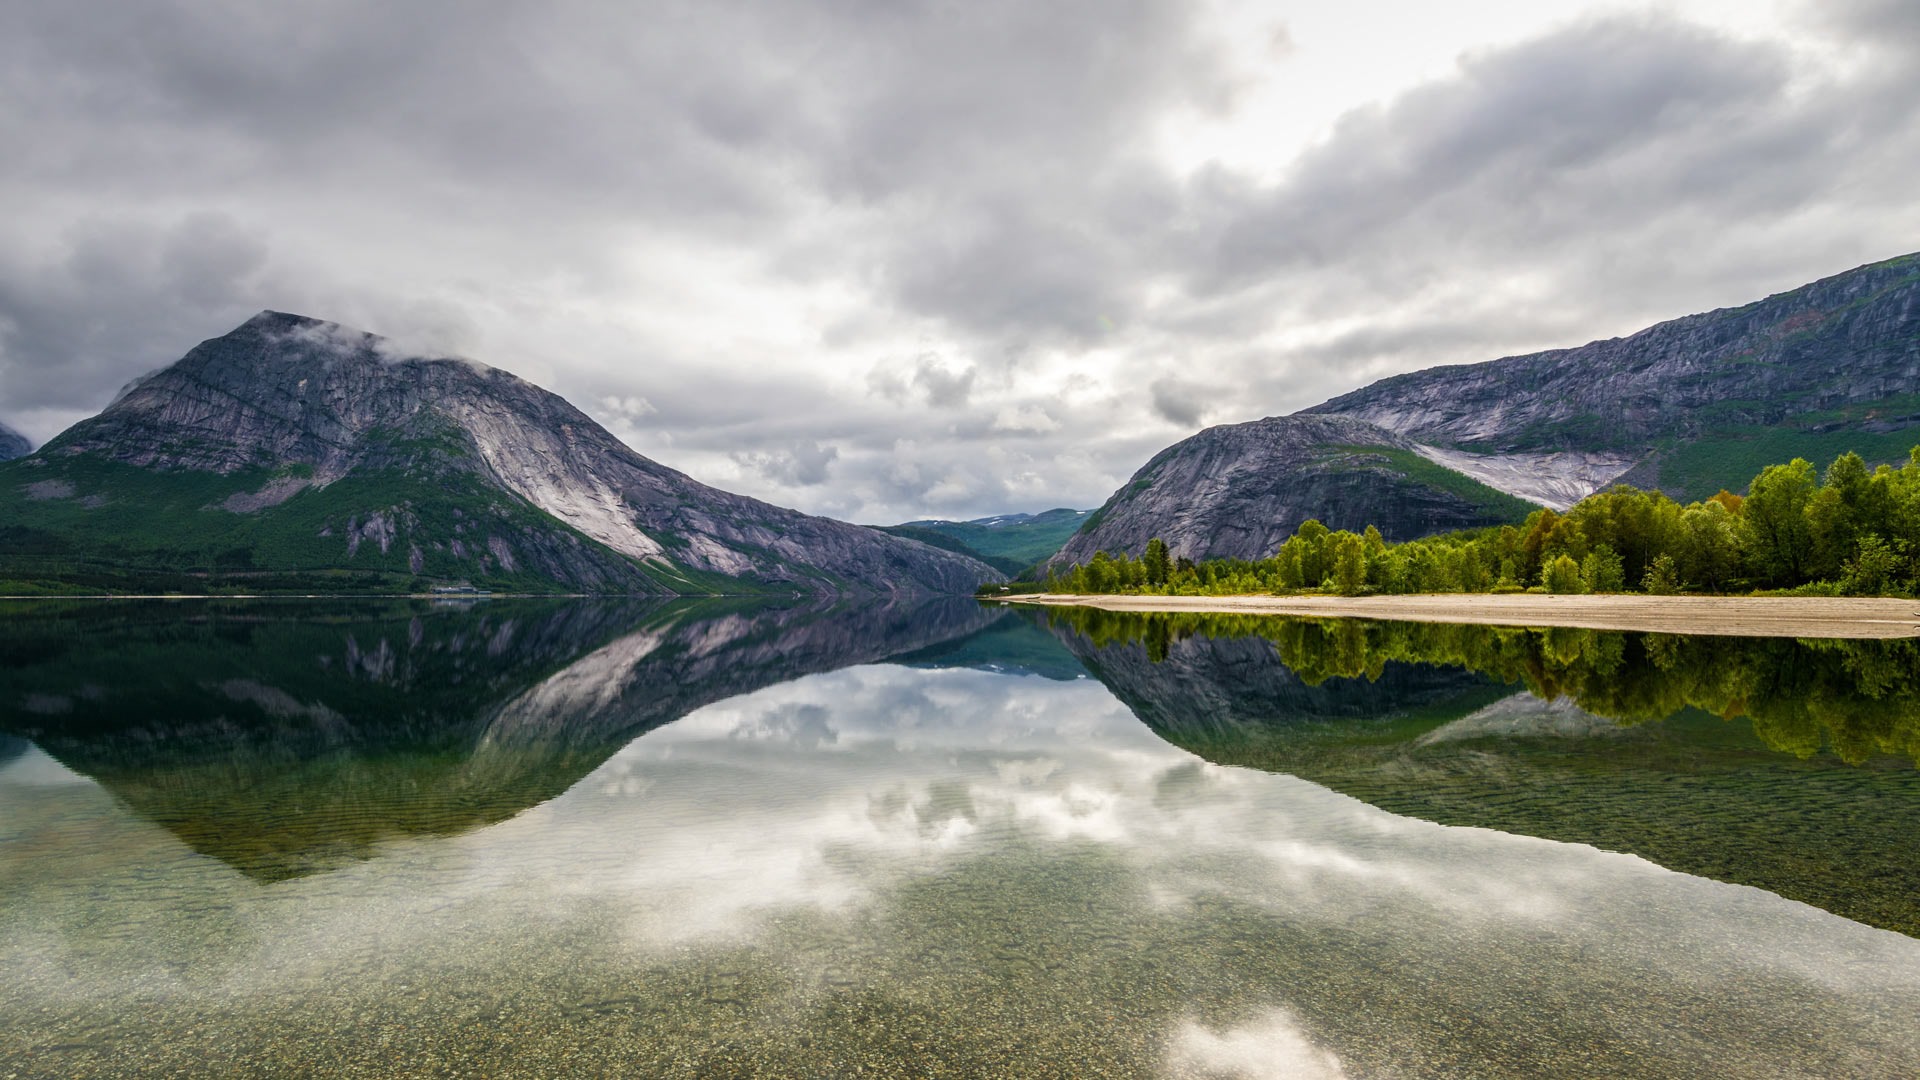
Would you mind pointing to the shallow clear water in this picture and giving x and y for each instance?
(540, 840)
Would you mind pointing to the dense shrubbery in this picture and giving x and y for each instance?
(1856, 532)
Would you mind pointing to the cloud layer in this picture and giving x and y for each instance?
(909, 260)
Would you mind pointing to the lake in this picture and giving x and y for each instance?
(712, 838)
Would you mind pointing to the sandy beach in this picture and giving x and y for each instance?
(1743, 616)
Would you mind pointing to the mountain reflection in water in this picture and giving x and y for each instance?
(284, 741)
(1788, 765)
(699, 840)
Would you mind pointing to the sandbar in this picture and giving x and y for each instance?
(1739, 616)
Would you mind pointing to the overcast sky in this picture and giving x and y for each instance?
(884, 260)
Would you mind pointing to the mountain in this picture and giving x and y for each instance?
(295, 451)
(1688, 406)
(1011, 542)
(1238, 490)
(13, 444)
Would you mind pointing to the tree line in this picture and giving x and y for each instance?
(1853, 531)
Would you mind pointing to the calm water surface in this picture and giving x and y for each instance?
(519, 839)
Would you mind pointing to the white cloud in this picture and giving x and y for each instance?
(1028, 418)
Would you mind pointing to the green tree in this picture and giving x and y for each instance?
(1709, 545)
(1159, 564)
(1663, 576)
(1602, 569)
(1562, 575)
(1568, 537)
(1871, 570)
(1313, 565)
(1533, 543)
(1779, 541)
(1290, 563)
(1835, 516)
(1101, 575)
(1347, 556)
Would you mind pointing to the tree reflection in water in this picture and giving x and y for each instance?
(1782, 764)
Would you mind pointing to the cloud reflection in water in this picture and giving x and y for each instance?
(851, 865)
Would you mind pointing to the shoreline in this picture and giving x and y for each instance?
(1731, 616)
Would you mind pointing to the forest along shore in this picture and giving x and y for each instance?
(1741, 616)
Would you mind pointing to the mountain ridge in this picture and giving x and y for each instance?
(1839, 353)
(1762, 337)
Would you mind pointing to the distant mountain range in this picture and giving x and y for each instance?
(293, 453)
(1009, 542)
(1688, 406)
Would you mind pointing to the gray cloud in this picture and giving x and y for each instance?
(116, 297)
(1595, 126)
(929, 379)
(1892, 25)
(804, 464)
(1180, 403)
(892, 260)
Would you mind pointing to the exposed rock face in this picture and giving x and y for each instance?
(1848, 340)
(13, 444)
(1239, 490)
(283, 390)
(1557, 479)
